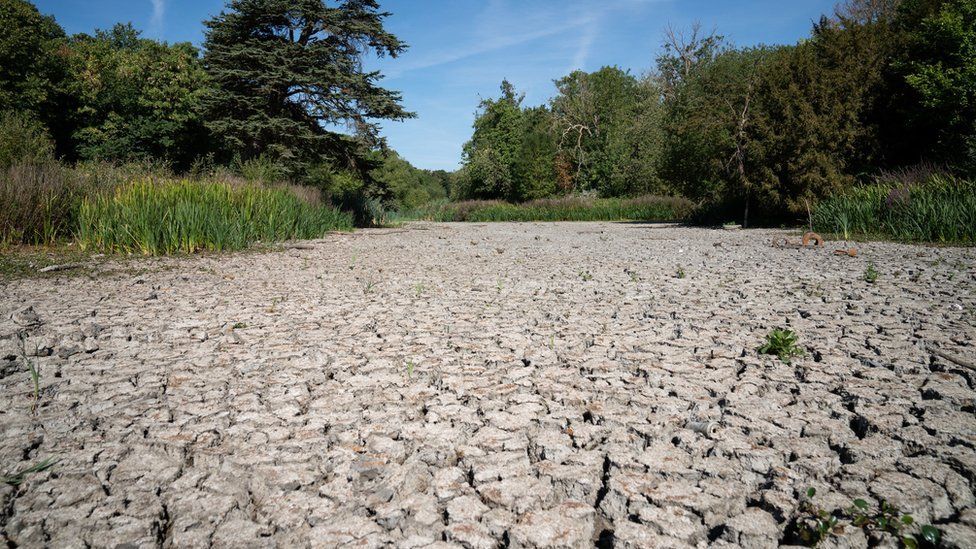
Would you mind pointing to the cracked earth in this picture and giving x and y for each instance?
(532, 385)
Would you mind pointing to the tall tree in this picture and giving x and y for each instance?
(494, 149)
(30, 67)
(289, 73)
(135, 98)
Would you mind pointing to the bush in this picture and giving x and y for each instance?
(572, 208)
(23, 141)
(939, 209)
(187, 217)
(39, 203)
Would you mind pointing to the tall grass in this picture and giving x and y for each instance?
(938, 209)
(189, 216)
(645, 208)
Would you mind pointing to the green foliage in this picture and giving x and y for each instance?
(30, 60)
(608, 129)
(939, 66)
(645, 208)
(782, 343)
(871, 274)
(495, 147)
(135, 98)
(23, 141)
(940, 209)
(815, 524)
(406, 186)
(283, 70)
(186, 217)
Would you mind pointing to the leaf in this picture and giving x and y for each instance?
(909, 542)
(931, 534)
(811, 492)
(907, 520)
(860, 504)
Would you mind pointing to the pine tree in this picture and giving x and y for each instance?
(288, 74)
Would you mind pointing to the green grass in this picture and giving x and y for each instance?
(942, 209)
(645, 208)
(170, 217)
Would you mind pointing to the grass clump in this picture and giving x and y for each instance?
(572, 208)
(186, 217)
(937, 208)
(782, 343)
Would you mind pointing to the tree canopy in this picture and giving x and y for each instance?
(288, 76)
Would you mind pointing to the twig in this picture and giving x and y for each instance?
(65, 267)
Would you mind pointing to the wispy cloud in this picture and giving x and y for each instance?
(158, 14)
(504, 24)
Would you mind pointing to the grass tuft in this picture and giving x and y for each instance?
(187, 216)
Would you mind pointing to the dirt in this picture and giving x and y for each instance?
(520, 385)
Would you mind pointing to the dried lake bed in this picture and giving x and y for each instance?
(489, 385)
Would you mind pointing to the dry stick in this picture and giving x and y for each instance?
(954, 359)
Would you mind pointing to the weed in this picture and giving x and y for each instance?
(240, 325)
(410, 367)
(782, 343)
(585, 276)
(871, 274)
(368, 286)
(419, 289)
(680, 273)
(818, 524)
(17, 478)
(570, 208)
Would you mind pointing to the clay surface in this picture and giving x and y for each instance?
(489, 385)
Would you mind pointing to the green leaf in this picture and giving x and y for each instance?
(811, 492)
(860, 504)
(909, 542)
(907, 520)
(931, 534)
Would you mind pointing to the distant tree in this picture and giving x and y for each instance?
(406, 186)
(495, 147)
(594, 114)
(31, 45)
(534, 169)
(938, 64)
(288, 75)
(135, 98)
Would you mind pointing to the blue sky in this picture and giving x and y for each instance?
(460, 50)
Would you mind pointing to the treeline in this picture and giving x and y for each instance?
(761, 133)
(265, 98)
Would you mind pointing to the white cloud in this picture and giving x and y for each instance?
(158, 13)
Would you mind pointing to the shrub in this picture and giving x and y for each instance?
(571, 208)
(23, 141)
(186, 217)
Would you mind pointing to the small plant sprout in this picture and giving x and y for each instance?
(240, 325)
(871, 274)
(18, 477)
(585, 276)
(368, 286)
(35, 372)
(782, 343)
(680, 273)
(410, 367)
(419, 289)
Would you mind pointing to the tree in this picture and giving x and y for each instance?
(596, 116)
(938, 64)
(31, 45)
(288, 73)
(495, 147)
(135, 98)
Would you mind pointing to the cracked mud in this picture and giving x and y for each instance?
(534, 385)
